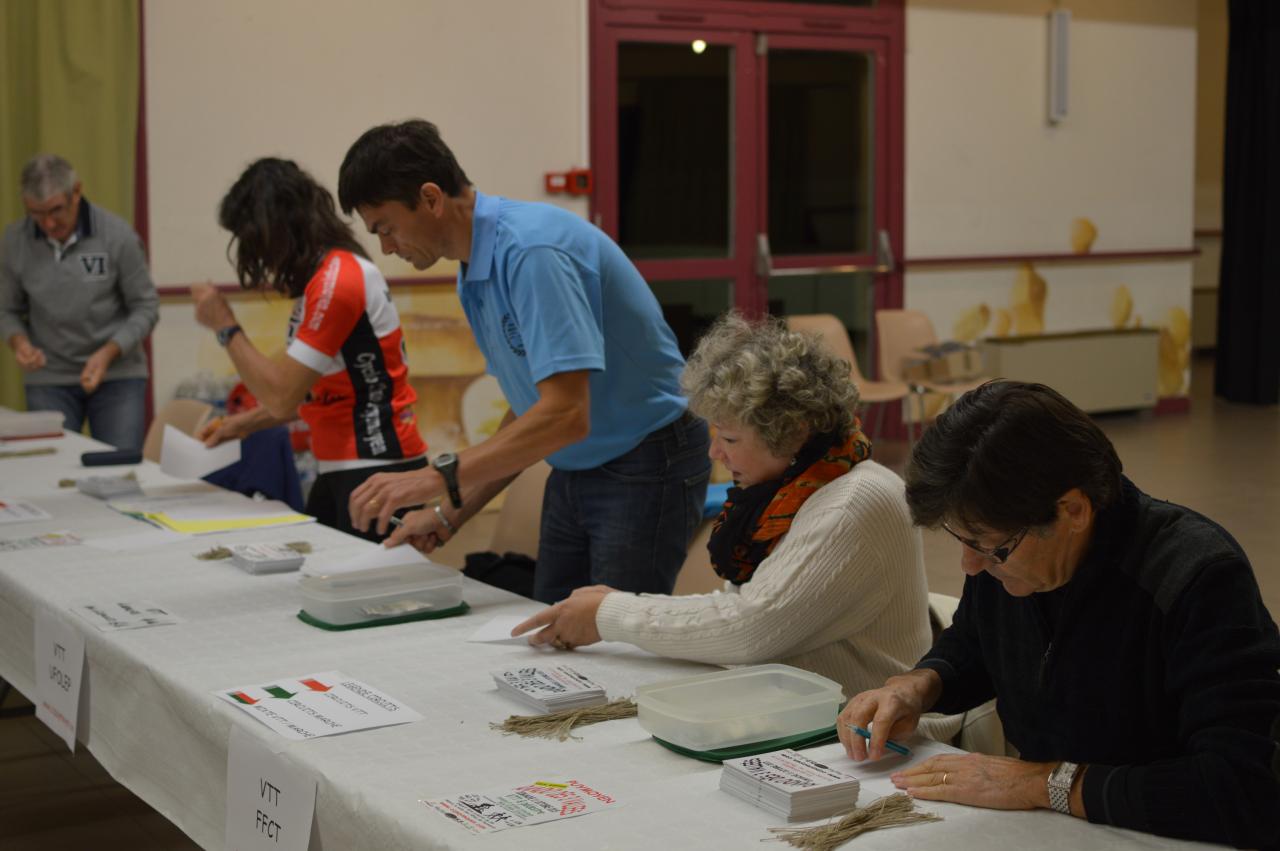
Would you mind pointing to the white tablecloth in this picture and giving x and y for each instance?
(150, 718)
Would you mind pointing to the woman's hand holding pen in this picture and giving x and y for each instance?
(892, 711)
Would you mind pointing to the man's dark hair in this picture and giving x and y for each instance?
(391, 162)
(1002, 456)
(282, 223)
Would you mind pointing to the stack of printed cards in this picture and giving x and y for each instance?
(790, 785)
(550, 689)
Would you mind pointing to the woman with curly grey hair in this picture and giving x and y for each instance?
(823, 568)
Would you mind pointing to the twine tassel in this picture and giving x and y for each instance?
(557, 725)
(896, 810)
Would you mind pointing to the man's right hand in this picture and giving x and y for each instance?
(890, 712)
(28, 356)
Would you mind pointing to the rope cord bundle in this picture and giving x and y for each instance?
(896, 810)
(557, 725)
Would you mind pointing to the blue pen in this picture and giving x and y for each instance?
(891, 745)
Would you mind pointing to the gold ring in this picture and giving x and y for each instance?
(561, 644)
(373, 503)
(944, 778)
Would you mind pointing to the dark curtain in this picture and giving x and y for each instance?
(1248, 356)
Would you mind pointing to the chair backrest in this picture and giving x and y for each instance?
(833, 334)
(900, 333)
(520, 521)
(186, 415)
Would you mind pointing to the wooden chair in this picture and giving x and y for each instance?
(519, 524)
(832, 332)
(901, 334)
(186, 415)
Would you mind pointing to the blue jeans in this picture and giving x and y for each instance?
(626, 523)
(116, 410)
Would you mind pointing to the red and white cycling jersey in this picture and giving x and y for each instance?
(345, 327)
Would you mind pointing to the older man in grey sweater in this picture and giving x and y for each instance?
(76, 302)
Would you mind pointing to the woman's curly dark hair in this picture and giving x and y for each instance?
(282, 223)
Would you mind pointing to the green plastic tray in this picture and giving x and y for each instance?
(800, 740)
(429, 615)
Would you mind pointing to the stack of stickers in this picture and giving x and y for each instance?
(550, 689)
(790, 785)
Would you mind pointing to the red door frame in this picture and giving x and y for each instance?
(735, 22)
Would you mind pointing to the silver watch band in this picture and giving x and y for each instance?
(1060, 781)
(444, 521)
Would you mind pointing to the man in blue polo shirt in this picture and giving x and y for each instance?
(581, 350)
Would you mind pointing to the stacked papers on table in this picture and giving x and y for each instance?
(790, 785)
(20, 424)
(210, 511)
(550, 689)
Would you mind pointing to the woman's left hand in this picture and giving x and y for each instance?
(997, 782)
(570, 623)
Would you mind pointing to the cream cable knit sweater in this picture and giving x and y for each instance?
(842, 595)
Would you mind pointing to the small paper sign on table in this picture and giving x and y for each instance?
(59, 675)
(48, 539)
(552, 688)
(21, 511)
(324, 704)
(534, 803)
(111, 617)
(270, 801)
(790, 785)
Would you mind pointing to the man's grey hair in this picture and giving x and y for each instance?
(770, 379)
(47, 175)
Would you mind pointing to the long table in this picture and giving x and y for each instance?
(151, 719)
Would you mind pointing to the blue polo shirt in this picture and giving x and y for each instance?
(547, 292)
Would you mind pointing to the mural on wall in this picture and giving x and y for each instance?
(1024, 314)
(458, 404)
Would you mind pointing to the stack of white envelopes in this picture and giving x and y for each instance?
(550, 689)
(790, 785)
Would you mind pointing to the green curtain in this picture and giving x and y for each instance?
(69, 86)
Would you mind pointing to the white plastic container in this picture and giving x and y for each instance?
(737, 707)
(342, 598)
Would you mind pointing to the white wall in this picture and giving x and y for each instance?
(986, 174)
(232, 80)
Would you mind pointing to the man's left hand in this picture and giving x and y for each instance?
(95, 368)
(570, 623)
(212, 310)
(997, 782)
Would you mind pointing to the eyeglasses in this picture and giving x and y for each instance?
(999, 554)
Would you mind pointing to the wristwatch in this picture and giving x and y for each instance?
(225, 334)
(1060, 781)
(446, 464)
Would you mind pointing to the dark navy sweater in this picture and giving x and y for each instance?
(1157, 665)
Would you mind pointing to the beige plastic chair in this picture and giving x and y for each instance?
(520, 520)
(832, 332)
(901, 334)
(186, 415)
(981, 730)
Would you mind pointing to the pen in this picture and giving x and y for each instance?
(396, 521)
(890, 744)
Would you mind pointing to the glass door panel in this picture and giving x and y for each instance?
(820, 152)
(675, 149)
(691, 306)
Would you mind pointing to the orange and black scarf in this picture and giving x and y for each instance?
(754, 519)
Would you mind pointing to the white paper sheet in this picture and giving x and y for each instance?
(20, 511)
(323, 704)
(184, 457)
(113, 616)
(498, 631)
(369, 558)
(270, 801)
(533, 803)
(59, 674)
